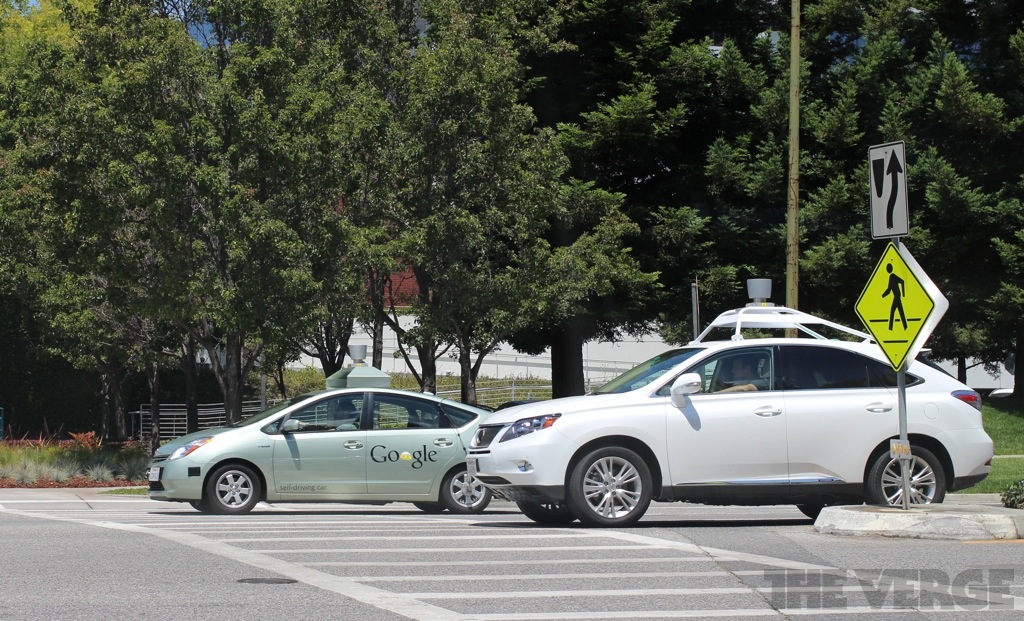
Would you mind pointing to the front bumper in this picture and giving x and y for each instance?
(179, 481)
(533, 467)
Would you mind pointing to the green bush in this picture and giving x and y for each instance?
(1013, 497)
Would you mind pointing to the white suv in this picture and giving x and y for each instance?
(804, 421)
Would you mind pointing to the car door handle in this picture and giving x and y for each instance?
(353, 444)
(443, 442)
(878, 407)
(768, 411)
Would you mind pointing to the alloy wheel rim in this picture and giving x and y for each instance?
(234, 489)
(467, 491)
(612, 487)
(922, 482)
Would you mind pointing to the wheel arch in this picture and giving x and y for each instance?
(916, 439)
(628, 442)
(237, 461)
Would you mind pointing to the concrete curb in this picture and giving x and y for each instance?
(959, 522)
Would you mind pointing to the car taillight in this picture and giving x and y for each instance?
(969, 397)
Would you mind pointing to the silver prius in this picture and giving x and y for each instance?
(350, 445)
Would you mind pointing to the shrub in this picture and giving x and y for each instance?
(1013, 497)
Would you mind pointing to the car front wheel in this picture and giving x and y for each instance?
(462, 493)
(927, 479)
(232, 489)
(611, 486)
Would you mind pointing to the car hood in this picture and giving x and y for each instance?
(565, 405)
(168, 447)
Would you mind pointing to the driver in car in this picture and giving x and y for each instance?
(740, 375)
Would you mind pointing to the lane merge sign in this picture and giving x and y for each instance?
(900, 306)
(888, 173)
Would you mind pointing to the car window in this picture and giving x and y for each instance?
(646, 372)
(459, 416)
(828, 368)
(400, 412)
(338, 413)
(736, 370)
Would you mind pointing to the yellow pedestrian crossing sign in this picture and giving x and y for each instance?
(900, 306)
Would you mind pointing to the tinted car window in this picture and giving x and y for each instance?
(458, 416)
(339, 413)
(399, 412)
(814, 368)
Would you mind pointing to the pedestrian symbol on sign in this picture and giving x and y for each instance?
(897, 287)
(897, 304)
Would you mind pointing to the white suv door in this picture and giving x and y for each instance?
(734, 429)
(840, 405)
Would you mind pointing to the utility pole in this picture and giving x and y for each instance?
(793, 186)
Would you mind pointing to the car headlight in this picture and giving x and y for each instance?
(188, 447)
(529, 425)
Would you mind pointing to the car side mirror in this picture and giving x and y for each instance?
(290, 425)
(685, 384)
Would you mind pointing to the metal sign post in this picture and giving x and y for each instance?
(905, 457)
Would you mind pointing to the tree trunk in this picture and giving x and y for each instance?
(233, 384)
(467, 381)
(567, 361)
(378, 338)
(961, 369)
(428, 368)
(1018, 360)
(112, 419)
(153, 378)
(191, 371)
(106, 399)
(119, 411)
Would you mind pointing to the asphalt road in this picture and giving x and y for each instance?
(73, 558)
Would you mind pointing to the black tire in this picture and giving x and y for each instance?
(551, 513)
(927, 479)
(232, 489)
(461, 493)
(200, 505)
(811, 511)
(429, 507)
(610, 486)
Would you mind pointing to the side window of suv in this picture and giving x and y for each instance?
(817, 368)
(737, 370)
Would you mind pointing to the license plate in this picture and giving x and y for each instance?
(154, 474)
(471, 466)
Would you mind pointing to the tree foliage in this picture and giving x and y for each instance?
(253, 177)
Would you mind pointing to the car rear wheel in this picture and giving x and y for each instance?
(552, 513)
(927, 479)
(610, 486)
(462, 493)
(232, 489)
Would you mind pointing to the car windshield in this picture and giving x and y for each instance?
(647, 372)
(274, 409)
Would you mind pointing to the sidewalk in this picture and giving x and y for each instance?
(960, 517)
(18, 495)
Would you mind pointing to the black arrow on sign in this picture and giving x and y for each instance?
(895, 168)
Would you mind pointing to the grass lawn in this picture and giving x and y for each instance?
(1005, 472)
(1004, 421)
